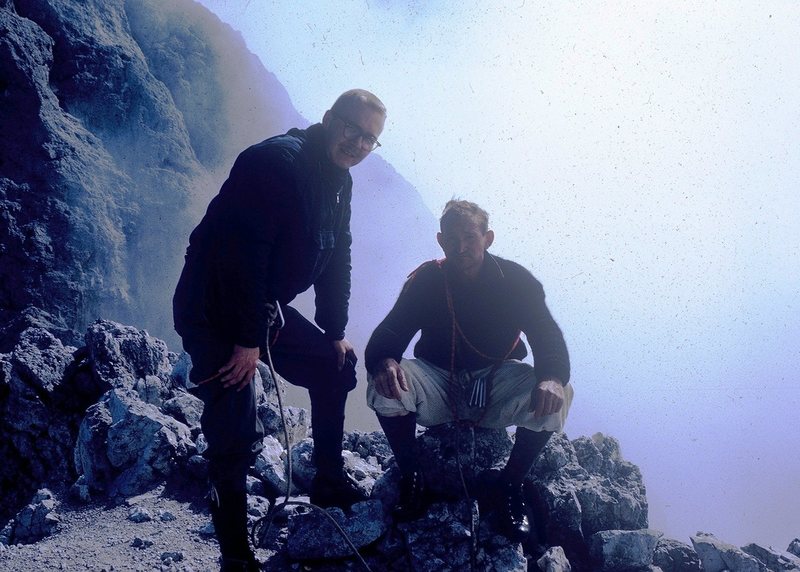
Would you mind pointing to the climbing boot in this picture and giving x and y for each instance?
(414, 498)
(337, 489)
(229, 514)
(236, 565)
(512, 517)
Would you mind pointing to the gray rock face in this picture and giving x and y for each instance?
(132, 443)
(34, 522)
(773, 559)
(270, 468)
(82, 105)
(313, 536)
(128, 358)
(572, 501)
(674, 556)
(717, 555)
(621, 550)
(42, 400)
(554, 560)
(298, 420)
(444, 449)
(794, 547)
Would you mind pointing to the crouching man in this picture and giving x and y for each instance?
(470, 309)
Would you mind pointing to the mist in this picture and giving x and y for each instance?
(643, 162)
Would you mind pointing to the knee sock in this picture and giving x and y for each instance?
(327, 427)
(527, 446)
(401, 434)
(229, 505)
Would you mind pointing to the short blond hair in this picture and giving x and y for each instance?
(353, 97)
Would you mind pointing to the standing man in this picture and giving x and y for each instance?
(470, 309)
(279, 225)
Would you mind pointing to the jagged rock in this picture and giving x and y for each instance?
(270, 467)
(773, 559)
(298, 421)
(257, 507)
(794, 547)
(717, 556)
(674, 556)
(571, 502)
(126, 446)
(184, 407)
(614, 496)
(312, 535)
(141, 543)
(498, 554)
(34, 522)
(40, 409)
(442, 539)
(618, 550)
(554, 560)
(125, 357)
(302, 466)
(441, 449)
(369, 446)
(364, 471)
(77, 221)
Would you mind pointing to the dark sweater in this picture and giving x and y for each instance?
(280, 224)
(490, 312)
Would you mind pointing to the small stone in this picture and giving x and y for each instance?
(139, 514)
(141, 543)
(169, 557)
(166, 516)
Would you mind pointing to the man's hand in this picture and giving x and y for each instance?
(241, 367)
(389, 379)
(343, 349)
(547, 398)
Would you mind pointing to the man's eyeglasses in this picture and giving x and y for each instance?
(352, 132)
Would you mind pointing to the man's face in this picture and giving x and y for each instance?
(464, 244)
(351, 132)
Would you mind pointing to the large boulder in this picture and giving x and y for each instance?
(581, 487)
(126, 446)
(34, 522)
(773, 559)
(623, 550)
(41, 404)
(719, 556)
(125, 357)
(675, 556)
(312, 536)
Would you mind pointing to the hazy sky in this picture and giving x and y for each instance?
(643, 160)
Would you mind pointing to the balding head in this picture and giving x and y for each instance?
(353, 98)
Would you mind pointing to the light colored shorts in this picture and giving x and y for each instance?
(435, 399)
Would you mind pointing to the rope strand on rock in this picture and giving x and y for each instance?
(258, 532)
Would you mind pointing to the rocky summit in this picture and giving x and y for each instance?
(120, 119)
(130, 429)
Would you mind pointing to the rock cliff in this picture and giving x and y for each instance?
(120, 120)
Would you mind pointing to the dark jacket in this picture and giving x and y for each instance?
(504, 300)
(280, 224)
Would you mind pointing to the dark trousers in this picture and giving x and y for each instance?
(303, 356)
